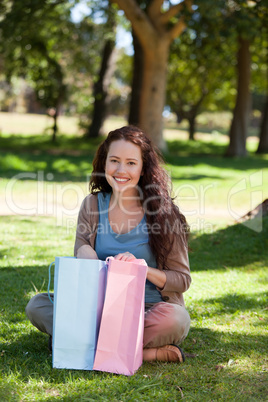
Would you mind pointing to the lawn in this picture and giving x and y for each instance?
(227, 346)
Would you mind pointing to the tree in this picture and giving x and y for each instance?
(106, 70)
(155, 29)
(240, 121)
(34, 53)
(263, 143)
(48, 82)
(199, 69)
(244, 17)
(136, 87)
(260, 77)
(58, 60)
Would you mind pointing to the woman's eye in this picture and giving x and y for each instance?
(131, 163)
(114, 160)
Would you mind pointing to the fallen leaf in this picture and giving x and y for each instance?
(219, 367)
(180, 389)
(260, 318)
(230, 362)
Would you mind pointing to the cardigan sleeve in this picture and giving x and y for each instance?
(177, 268)
(87, 223)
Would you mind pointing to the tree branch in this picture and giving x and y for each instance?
(170, 13)
(154, 9)
(138, 18)
(177, 29)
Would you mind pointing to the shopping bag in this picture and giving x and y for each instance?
(79, 289)
(120, 343)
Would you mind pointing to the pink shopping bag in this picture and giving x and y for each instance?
(120, 342)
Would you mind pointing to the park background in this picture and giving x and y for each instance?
(195, 77)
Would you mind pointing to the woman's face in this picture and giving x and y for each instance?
(123, 167)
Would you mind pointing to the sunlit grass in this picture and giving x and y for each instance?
(226, 348)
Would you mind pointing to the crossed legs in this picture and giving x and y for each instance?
(164, 324)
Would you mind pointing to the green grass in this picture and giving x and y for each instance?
(227, 345)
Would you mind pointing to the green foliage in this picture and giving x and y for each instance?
(201, 71)
(57, 57)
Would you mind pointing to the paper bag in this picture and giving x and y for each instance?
(120, 343)
(79, 289)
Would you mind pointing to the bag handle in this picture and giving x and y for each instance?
(49, 280)
(136, 261)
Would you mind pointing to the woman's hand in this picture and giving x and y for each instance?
(127, 256)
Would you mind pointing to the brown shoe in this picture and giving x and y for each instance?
(167, 353)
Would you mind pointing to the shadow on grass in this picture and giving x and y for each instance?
(250, 162)
(224, 345)
(231, 304)
(70, 159)
(37, 143)
(235, 246)
(198, 147)
(206, 372)
(76, 167)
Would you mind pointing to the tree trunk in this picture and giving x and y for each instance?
(155, 29)
(55, 125)
(191, 121)
(134, 109)
(263, 143)
(153, 90)
(239, 126)
(104, 78)
(59, 101)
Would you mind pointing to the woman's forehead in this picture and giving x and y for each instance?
(124, 148)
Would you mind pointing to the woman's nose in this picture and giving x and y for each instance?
(120, 168)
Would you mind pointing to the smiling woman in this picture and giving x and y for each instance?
(130, 215)
(123, 167)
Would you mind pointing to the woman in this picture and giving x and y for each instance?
(130, 214)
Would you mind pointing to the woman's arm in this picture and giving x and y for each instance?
(177, 268)
(86, 228)
(87, 251)
(157, 277)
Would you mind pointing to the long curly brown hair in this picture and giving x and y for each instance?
(164, 219)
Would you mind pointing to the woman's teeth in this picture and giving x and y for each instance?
(121, 180)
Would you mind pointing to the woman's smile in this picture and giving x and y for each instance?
(121, 179)
(123, 167)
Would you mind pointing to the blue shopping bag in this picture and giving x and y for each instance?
(79, 291)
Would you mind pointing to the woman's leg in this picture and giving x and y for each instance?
(39, 310)
(165, 324)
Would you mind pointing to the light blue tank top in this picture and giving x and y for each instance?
(108, 243)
